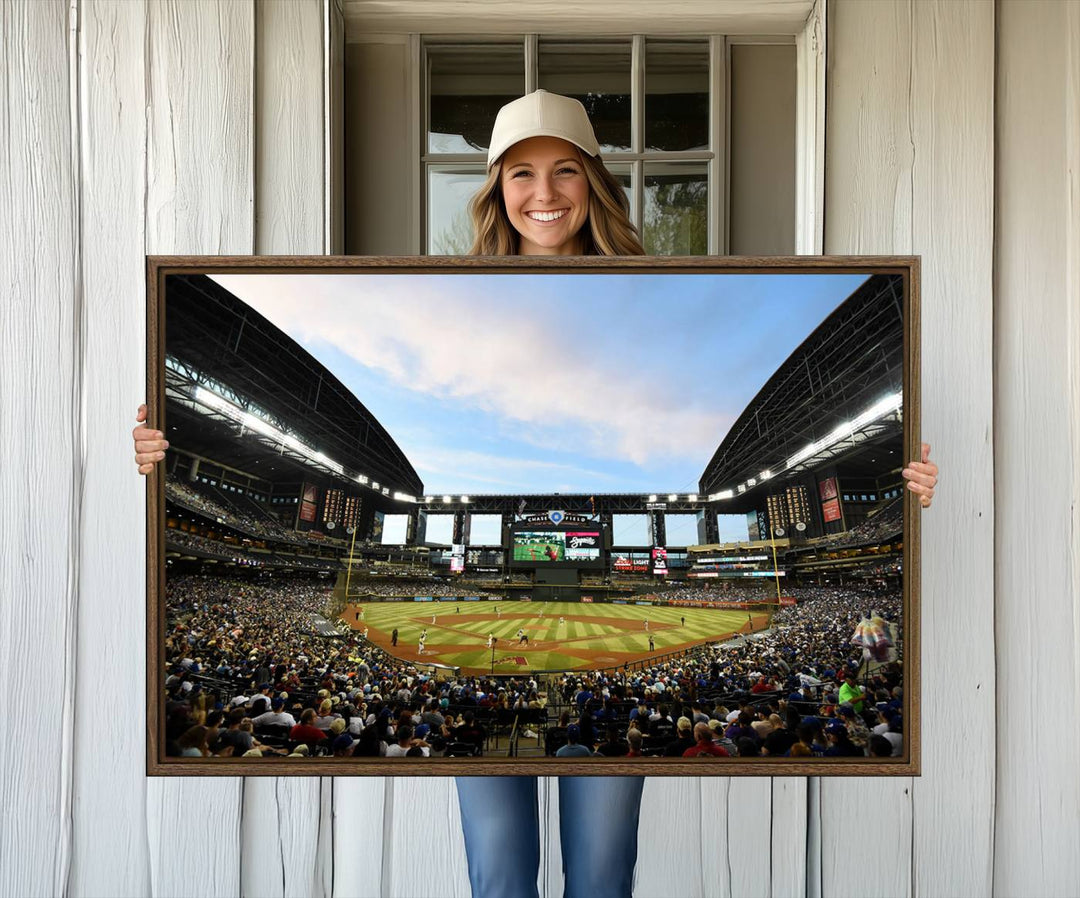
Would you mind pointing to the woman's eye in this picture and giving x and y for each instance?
(567, 171)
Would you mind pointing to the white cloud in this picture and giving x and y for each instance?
(466, 468)
(438, 337)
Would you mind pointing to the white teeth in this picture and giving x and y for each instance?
(546, 216)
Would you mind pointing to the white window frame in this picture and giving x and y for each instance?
(810, 125)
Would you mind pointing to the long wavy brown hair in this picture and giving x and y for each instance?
(607, 231)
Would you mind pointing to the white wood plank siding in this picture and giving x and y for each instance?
(952, 120)
(788, 838)
(868, 172)
(283, 817)
(909, 158)
(40, 442)
(1036, 840)
(671, 848)
(199, 200)
(289, 114)
(109, 811)
(423, 846)
(361, 813)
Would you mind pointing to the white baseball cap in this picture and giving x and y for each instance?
(541, 114)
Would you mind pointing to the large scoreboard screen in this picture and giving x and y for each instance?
(579, 547)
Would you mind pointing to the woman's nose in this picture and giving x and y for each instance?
(545, 188)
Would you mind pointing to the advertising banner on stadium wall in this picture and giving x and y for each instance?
(659, 561)
(634, 563)
(830, 510)
(582, 546)
(827, 489)
(307, 504)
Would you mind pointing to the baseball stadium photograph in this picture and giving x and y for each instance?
(585, 520)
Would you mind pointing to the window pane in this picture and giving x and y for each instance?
(624, 176)
(676, 209)
(597, 74)
(449, 191)
(676, 95)
(467, 84)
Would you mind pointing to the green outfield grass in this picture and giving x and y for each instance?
(592, 636)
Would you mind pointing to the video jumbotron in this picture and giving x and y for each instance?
(501, 515)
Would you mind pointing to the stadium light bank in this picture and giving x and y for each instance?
(880, 409)
(259, 425)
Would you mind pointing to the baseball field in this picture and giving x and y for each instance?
(561, 635)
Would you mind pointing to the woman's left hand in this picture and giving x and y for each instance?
(921, 477)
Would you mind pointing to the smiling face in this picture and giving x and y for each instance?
(546, 195)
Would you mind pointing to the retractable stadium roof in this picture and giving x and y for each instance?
(217, 340)
(851, 361)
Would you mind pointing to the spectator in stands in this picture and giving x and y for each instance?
(326, 715)
(748, 748)
(369, 745)
(763, 725)
(890, 728)
(880, 747)
(741, 728)
(277, 716)
(780, 740)
(684, 739)
(470, 731)
(851, 694)
(403, 744)
(633, 739)
(809, 733)
(838, 743)
(233, 735)
(306, 731)
(192, 743)
(704, 746)
(573, 748)
(857, 732)
(613, 746)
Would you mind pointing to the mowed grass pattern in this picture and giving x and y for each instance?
(592, 636)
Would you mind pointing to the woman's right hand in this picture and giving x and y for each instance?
(150, 445)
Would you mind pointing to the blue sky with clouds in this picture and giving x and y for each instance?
(572, 383)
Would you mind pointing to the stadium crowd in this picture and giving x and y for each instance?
(247, 674)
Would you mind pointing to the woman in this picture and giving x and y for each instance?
(547, 193)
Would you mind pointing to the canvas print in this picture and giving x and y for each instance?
(487, 519)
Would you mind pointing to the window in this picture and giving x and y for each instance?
(657, 104)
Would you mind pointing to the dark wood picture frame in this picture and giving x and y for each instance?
(159, 267)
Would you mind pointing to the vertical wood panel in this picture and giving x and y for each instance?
(285, 847)
(909, 169)
(279, 833)
(360, 813)
(953, 230)
(40, 434)
(670, 840)
(200, 183)
(868, 159)
(289, 114)
(111, 859)
(199, 200)
(424, 849)
(1036, 445)
(790, 799)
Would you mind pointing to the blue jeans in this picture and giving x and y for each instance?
(598, 823)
